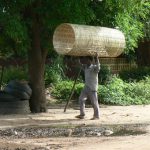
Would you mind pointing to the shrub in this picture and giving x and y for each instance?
(113, 92)
(54, 73)
(104, 74)
(62, 90)
(116, 92)
(135, 74)
(13, 73)
(140, 91)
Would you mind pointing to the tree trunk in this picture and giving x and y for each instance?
(36, 63)
(143, 53)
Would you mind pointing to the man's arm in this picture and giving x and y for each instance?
(97, 63)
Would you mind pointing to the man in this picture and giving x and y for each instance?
(91, 70)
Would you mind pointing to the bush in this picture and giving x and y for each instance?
(62, 90)
(116, 92)
(54, 73)
(13, 73)
(140, 91)
(136, 74)
(113, 92)
(104, 74)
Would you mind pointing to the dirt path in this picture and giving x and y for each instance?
(93, 143)
(110, 115)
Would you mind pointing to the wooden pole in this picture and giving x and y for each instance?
(1, 79)
(72, 91)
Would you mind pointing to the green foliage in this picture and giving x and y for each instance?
(54, 72)
(19, 19)
(62, 90)
(135, 74)
(104, 74)
(118, 92)
(113, 92)
(139, 92)
(16, 19)
(14, 36)
(147, 29)
(13, 73)
(76, 11)
(132, 28)
(127, 15)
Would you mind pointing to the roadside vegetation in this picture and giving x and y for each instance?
(129, 87)
(115, 92)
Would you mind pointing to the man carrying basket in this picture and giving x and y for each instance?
(91, 70)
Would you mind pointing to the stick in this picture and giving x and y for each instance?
(1, 79)
(72, 90)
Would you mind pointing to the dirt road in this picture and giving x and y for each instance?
(92, 143)
(111, 115)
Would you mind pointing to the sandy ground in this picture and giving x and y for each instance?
(92, 143)
(109, 115)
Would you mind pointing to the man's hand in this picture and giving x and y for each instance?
(96, 58)
(96, 54)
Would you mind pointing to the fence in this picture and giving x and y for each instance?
(117, 64)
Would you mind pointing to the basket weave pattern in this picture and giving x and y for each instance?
(83, 40)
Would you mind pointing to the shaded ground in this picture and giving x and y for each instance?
(109, 115)
(16, 130)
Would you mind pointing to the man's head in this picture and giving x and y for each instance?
(86, 60)
(89, 60)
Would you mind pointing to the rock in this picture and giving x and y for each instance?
(108, 132)
(98, 134)
(69, 132)
(15, 132)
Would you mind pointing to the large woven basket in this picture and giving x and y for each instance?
(83, 40)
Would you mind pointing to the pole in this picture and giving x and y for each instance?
(72, 90)
(1, 79)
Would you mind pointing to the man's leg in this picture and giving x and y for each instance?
(82, 100)
(94, 101)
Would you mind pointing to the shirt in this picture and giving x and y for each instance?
(91, 76)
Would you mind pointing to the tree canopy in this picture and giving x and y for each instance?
(129, 16)
(16, 19)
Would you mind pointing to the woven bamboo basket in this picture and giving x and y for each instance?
(83, 40)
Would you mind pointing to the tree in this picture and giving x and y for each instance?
(127, 15)
(27, 26)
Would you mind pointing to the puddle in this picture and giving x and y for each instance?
(125, 132)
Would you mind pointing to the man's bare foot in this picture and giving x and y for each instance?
(80, 116)
(95, 118)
